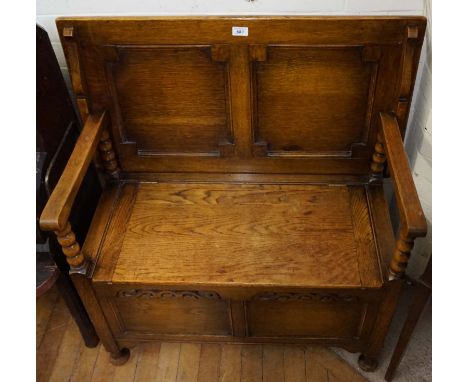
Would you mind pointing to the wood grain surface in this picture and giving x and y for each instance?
(293, 109)
(55, 215)
(297, 95)
(314, 236)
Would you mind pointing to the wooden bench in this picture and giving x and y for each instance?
(245, 159)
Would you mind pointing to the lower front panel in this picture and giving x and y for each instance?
(305, 315)
(144, 313)
(173, 312)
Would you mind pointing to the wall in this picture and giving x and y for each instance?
(418, 144)
(419, 133)
(48, 10)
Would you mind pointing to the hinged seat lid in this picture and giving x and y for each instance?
(288, 95)
(233, 235)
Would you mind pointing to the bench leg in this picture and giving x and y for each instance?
(120, 358)
(422, 294)
(76, 308)
(367, 363)
(85, 290)
(368, 360)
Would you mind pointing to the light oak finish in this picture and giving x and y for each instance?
(57, 210)
(108, 155)
(422, 293)
(70, 247)
(223, 97)
(322, 226)
(378, 158)
(246, 204)
(412, 217)
(412, 220)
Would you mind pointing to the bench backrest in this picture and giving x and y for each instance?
(260, 95)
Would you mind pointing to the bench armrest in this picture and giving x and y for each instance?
(413, 222)
(412, 217)
(55, 215)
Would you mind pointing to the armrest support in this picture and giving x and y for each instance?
(413, 222)
(55, 215)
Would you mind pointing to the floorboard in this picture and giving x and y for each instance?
(315, 371)
(68, 352)
(168, 362)
(230, 367)
(47, 353)
(251, 359)
(189, 361)
(273, 363)
(85, 363)
(43, 314)
(103, 370)
(147, 366)
(210, 358)
(294, 364)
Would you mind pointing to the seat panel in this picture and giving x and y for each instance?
(237, 235)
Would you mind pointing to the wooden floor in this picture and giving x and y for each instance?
(62, 356)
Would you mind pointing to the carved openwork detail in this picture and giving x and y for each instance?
(321, 297)
(70, 247)
(169, 294)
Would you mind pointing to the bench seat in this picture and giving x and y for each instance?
(239, 234)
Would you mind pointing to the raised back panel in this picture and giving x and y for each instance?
(296, 96)
(170, 100)
(296, 87)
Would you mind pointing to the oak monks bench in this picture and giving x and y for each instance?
(245, 159)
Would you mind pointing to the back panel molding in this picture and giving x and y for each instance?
(294, 96)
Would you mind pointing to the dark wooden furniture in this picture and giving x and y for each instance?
(56, 134)
(245, 198)
(47, 271)
(421, 296)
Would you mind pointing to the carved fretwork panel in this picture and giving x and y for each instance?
(169, 294)
(170, 101)
(310, 296)
(295, 84)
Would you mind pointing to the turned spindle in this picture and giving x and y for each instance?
(70, 247)
(108, 154)
(401, 255)
(378, 158)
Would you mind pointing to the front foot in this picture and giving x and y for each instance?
(367, 363)
(120, 358)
